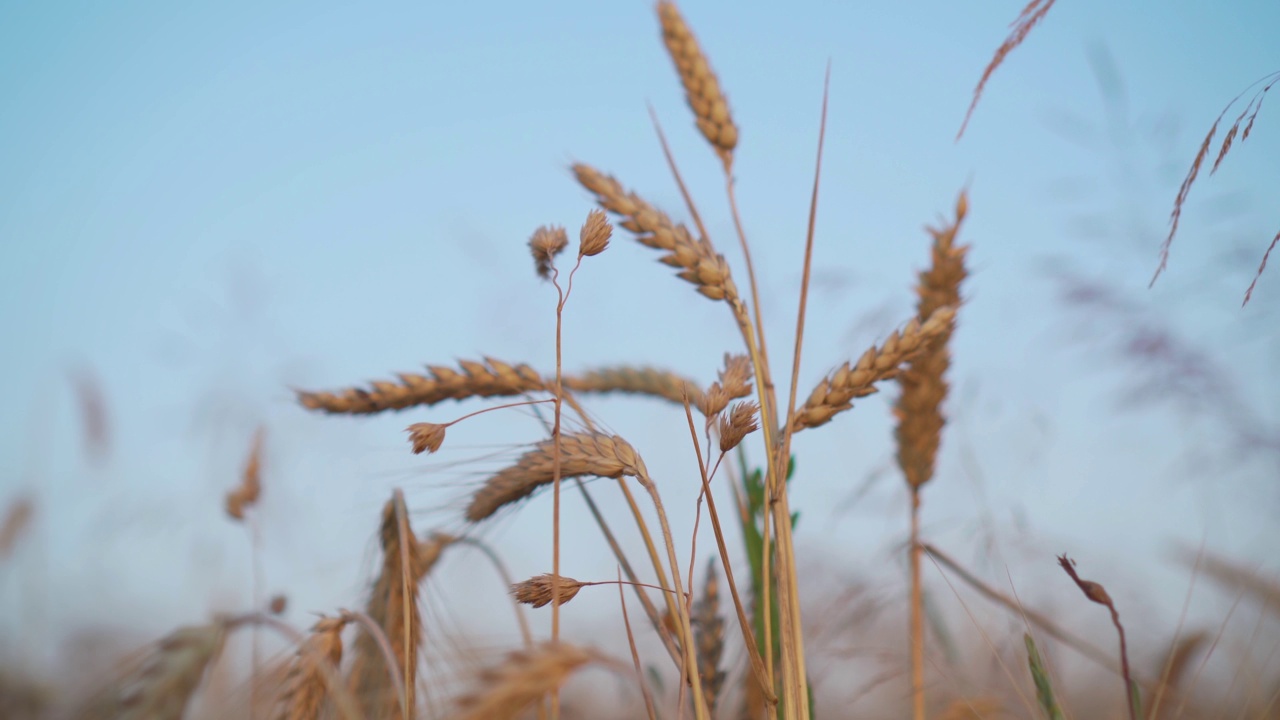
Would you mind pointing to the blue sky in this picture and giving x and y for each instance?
(206, 205)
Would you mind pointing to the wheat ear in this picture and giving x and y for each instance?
(524, 677)
(393, 605)
(697, 259)
(708, 636)
(701, 88)
(172, 673)
(307, 685)
(490, 378)
(919, 413)
(581, 454)
(835, 393)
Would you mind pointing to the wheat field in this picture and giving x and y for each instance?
(718, 607)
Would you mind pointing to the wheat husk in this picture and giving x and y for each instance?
(581, 454)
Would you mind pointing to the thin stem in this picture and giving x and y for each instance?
(753, 651)
(917, 613)
(635, 654)
(406, 580)
(507, 581)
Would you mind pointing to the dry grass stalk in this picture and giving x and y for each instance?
(307, 685)
(580, 454)
(1175, 216)
(490, 378)
(547, 242)
(1098, 594)
(1032, 14)
(525, 676)
(593, 239)
(17, 518)
(632, 380)
(701, 88)
(538, 591)
(172, 673)
(918, 410)
(836, 392)
(246, 494)
(738, 423)
(393, 605)
(708, 636)
(697, 259)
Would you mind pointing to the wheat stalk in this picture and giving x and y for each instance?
(393, 606)
(919, 413)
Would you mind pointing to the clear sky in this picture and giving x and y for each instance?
(204, 205)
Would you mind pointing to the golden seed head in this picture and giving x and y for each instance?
(536, 591)
(547, 242)
(595, 234)
(738, 423)
(426, 437)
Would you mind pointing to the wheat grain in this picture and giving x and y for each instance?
(701, 87)
(490, 378)
(835, 393)
(698, 261)
(581, 454)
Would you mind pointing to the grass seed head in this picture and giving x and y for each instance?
(426, 437)
(537, 591)
(547, 242)
(595, 234)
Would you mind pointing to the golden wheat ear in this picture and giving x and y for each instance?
(172, 673)
(490, 378)
(315, 666)
(504, 691)
(580, 455)
(394, 607)
(701, 87)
